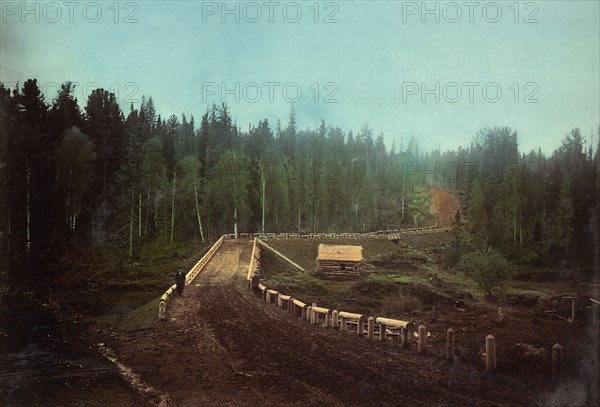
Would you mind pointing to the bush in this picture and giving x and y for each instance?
(488, 269)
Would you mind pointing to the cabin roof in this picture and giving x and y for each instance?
(340, 252)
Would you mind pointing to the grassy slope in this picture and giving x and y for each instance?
(400, 280)
(101, 287)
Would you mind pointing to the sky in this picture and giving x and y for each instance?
(440, 71)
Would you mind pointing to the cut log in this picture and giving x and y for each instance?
(396, 323)
(320, 310)
(350, 315)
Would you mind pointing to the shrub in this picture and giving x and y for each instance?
(489, 269)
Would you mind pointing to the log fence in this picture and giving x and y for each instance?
(391, 234)
(317, 312)
(403, 329)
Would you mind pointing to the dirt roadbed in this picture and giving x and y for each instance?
(221, 346)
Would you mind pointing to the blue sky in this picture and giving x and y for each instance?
(371, 62)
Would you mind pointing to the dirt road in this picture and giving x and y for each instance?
(444, 204)
(221, 346)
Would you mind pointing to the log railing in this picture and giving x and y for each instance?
(391, 234)
(166, 298)
(254, 263)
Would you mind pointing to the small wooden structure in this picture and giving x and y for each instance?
(341, 261)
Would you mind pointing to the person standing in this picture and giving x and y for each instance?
(255, 282)
(180, 281)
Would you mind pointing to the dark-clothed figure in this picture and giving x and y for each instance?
(255, 282)
(180, 281)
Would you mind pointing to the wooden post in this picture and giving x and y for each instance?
(382, 332)
(572, 309)
(279, 301)
(162, 309)
(557, 362)
(327, 320)
(334, 319)
(450, 345)
(360, 328)
(370, 327)
(405, 338)
(422, 344)
(314, 317)
(303, 312)
(343, 326)
(267, 296)
(309, 314)
(490, 353)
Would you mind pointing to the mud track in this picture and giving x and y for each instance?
(221, 346)
(444, 204)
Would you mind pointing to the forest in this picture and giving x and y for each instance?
(115, 180)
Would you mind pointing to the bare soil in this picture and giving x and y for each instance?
(221, 346)
(444, 204)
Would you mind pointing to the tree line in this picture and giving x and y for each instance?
(103, 177)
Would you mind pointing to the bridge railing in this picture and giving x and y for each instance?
(166, 298)
(380, 234)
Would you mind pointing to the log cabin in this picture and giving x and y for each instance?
(340, 261)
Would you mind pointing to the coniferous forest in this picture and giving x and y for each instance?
(102, 177)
